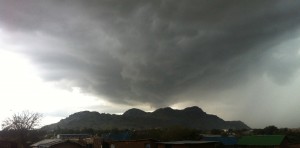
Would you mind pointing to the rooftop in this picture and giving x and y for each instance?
(47, 143)
(263, 140)
(223, 140)
(188, 142)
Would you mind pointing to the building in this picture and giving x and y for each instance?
(189, 144)
(227, 142)
(56, 143)
(294, 145)
(263, 141)
(8, 144)
(144, 143)
(116, 136)
(72, 136)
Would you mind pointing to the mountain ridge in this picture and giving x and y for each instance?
(190, 117)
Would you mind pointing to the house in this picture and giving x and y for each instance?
(189, 144)
(143, 143)
(8, 144)
(227, 142)
(56, 143)
(294, 145)
(72, 136)
(263, 141)
(116, 136)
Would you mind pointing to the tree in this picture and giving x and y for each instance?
(20, 127)
(271, 130)
(22, 121)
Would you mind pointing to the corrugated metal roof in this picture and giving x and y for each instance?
(47, 143)
(263, 140)
(50, 142)
(223, 140)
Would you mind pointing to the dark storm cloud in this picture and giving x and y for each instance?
(152, 51)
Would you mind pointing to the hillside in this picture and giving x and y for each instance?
(191, 117)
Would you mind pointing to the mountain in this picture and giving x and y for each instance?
(134, 112)
(191, 117)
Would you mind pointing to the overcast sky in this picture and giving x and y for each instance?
(237, 59)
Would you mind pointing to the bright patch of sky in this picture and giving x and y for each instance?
(22, 89)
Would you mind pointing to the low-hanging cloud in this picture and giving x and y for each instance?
(151, 52)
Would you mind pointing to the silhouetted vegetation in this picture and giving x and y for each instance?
(20, 128)
(166, 134)
(272, 130)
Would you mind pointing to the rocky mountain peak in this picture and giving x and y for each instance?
(134, 112)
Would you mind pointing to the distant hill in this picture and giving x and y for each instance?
(191, 117)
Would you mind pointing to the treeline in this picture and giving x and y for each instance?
(273, 130)
(174, 132)
(164, 134)
(293, 135)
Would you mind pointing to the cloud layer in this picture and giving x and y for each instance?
(158, 52)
